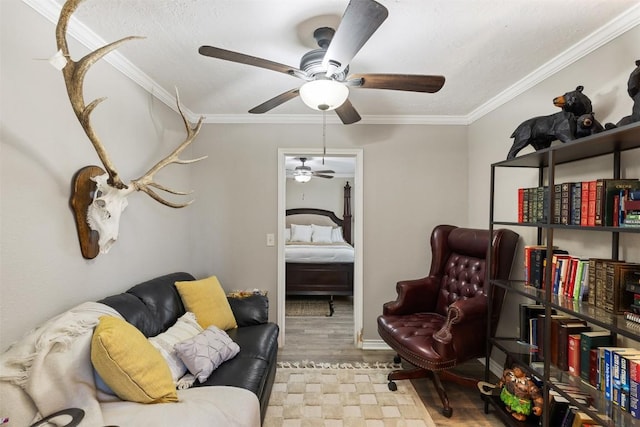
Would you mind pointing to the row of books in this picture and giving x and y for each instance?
(603, 282)
(590, 355)
(600, 202)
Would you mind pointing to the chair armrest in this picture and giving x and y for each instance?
(414, 296)
(251, 310)
(463, 334)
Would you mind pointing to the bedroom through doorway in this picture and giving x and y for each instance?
(319, 262)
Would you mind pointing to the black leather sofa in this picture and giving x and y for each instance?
(153, 306)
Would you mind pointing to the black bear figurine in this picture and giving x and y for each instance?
(633, 89)
(587, 125)
(541, 131)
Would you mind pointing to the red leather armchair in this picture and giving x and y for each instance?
(440, 321)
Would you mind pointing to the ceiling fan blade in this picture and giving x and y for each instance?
(241, 58)
(322, 176)
(275, 101)
(408, 82)
(360, 20)
(347, 113)
(325, 171)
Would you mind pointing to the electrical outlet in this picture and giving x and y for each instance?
(271, 239)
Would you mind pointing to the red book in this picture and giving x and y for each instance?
(591, 210)
(573, 355)
(520, 204)
(584, 203)
(573, 268)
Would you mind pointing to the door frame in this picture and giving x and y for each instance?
(357, 230)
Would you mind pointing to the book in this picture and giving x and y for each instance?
(599, 275)
(577, 282)
(529, 260)
(520, 205)
(565, 203)
(616, 297)
(555, 338)
(591, 207)
(584, 203)
(576, 201)
(557, 200)
(564, 331)
(573, 355)
(584, 283)
(606, 365)
(590, 340)
(594, 368)
(528, 312)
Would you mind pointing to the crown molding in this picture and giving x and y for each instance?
(614, 28)
(603, 35)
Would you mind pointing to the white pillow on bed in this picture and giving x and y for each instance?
(287, 234)
(321, 234)
(336, 235)
(301, 233)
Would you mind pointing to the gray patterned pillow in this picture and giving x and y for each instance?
(206, 351)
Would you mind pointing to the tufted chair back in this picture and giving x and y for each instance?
(459, 259)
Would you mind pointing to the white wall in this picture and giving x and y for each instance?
(42, 145)
(604, 74)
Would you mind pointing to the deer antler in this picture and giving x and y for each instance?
(145, 181)
(74, 73)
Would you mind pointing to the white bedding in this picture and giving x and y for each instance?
(295, 252)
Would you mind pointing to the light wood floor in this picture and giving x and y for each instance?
(330, 339)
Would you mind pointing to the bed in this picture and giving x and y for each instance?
(319, 254)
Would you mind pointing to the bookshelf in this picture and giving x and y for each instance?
(612, 142)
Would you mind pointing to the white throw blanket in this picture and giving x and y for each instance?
(52, 363)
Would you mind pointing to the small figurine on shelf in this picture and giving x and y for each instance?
(520, 394)
(633, 89)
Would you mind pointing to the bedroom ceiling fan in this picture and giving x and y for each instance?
(304, 173)
(325, 70)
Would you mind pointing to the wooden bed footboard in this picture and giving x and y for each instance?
(319, 279)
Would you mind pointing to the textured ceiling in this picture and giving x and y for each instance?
(486, 49)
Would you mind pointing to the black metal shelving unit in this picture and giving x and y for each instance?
(612, 142)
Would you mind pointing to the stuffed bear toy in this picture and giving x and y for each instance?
(541, 131)
(633, 89)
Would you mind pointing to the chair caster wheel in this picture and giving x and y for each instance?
(447, 412)
(392, 386)
(397, 359)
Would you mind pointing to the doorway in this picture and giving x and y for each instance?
(357, 192)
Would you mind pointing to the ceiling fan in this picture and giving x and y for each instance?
(304, 173)
(325, 70)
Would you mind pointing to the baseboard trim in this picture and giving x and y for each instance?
(375, 345)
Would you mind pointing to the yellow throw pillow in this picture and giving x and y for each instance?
(128, 363)
(208, 301)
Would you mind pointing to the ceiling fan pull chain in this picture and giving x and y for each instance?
(324, 135)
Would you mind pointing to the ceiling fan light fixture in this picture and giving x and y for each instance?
(302, 176)
(324, 95)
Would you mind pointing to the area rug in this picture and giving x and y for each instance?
(307, 307)
(308, 394)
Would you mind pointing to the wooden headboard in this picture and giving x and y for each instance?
(345, 222)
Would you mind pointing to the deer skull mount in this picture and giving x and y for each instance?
(100, 196)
